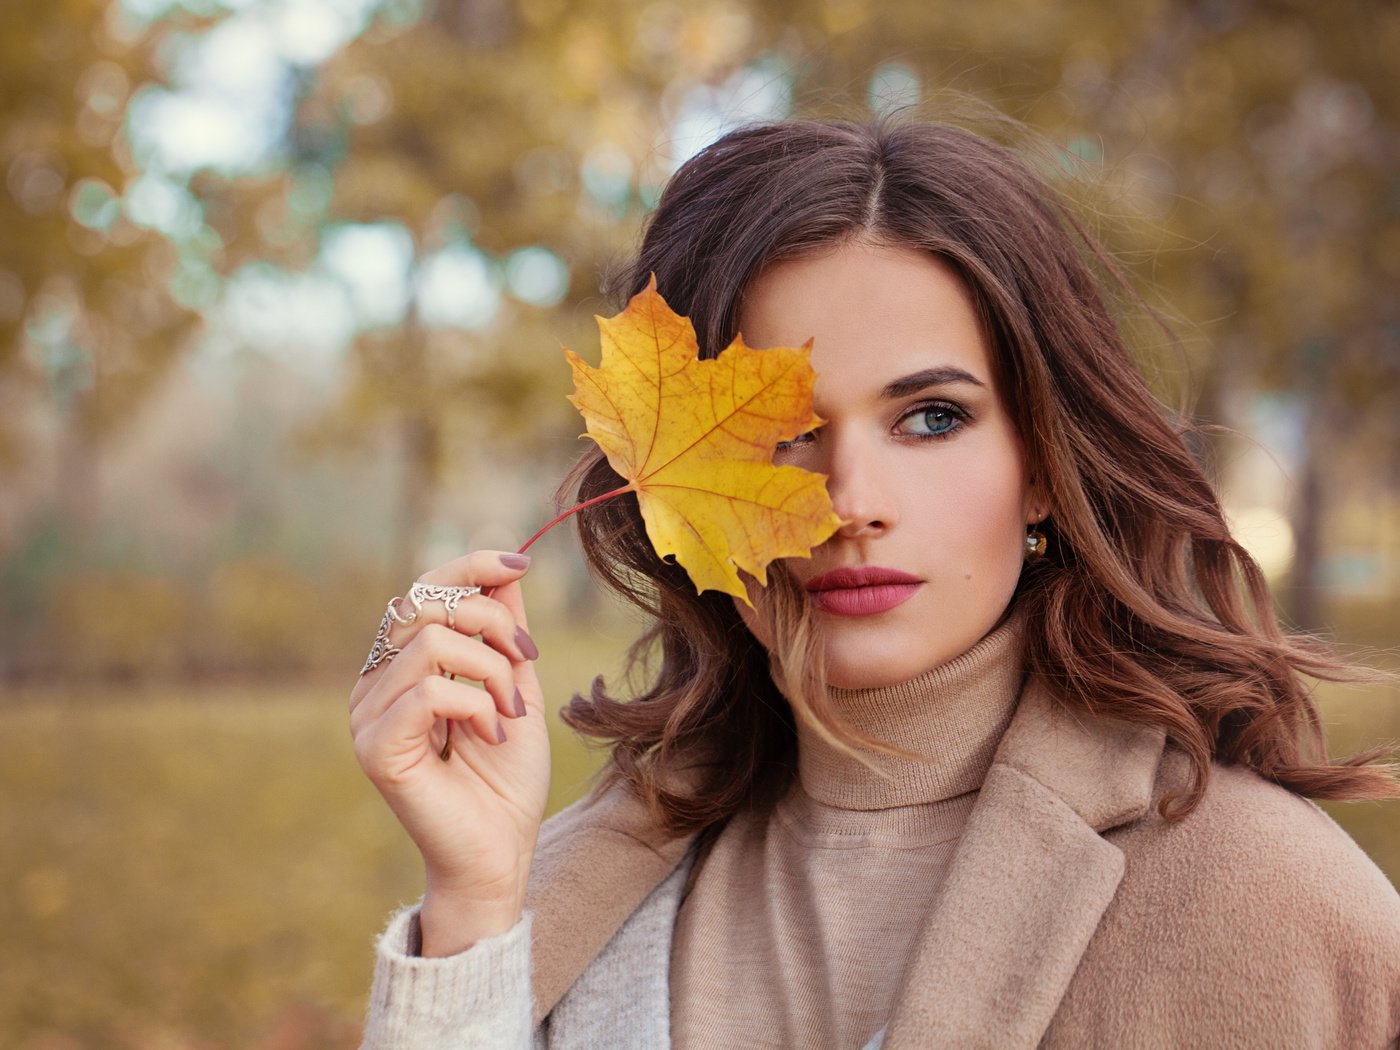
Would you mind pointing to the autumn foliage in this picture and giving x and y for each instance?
(695, 439)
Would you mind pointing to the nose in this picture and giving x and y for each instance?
(860, 493)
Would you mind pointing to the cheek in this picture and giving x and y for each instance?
(987, 515)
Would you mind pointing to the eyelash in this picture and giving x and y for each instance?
(960, 420)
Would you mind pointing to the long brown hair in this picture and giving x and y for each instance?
(1146, 608)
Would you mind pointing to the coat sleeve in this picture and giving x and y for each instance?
(478, 999)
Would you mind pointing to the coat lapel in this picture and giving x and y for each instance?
(1030, 881)
(595, 863)
(622, 1000)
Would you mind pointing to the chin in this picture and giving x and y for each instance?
(863, 678)
(872, 658)
(871, 670)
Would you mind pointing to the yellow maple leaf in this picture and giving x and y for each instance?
(695, 439)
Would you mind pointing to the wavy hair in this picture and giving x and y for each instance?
(1146, 608)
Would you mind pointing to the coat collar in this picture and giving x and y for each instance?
(1030, 880)
(595, 862)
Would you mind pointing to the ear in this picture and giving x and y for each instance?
(1036, 505)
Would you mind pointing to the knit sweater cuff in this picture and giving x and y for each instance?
(477, 998)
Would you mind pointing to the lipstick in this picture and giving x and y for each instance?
(861, 590)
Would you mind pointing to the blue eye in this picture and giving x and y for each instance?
(931, 421)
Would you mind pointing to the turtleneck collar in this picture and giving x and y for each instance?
(953, 715)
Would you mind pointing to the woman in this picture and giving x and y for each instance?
(1018, 758)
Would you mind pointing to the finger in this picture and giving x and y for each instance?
(434, 652)
(475, 614)
(527, 682)
(512, 597)
(494, 621)
(479, 569)
(472, 614)
(404, 731)
(484, 569)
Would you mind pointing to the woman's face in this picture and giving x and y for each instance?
(923, 461)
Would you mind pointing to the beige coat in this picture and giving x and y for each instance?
(1073, 916)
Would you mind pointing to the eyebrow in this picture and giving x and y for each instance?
(916, 381)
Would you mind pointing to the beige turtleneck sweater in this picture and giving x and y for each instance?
(800, 919)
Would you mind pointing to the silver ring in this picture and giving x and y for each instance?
(382, 651)
(430, 592)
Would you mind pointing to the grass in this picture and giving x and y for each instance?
(208, 869)
(1357, 719)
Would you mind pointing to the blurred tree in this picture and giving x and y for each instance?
(479, 165)
(86, 321)
(1263, 139)
(512, 144)
(1250, 148)
(1255, 148)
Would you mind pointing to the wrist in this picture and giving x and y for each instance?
(452, 920)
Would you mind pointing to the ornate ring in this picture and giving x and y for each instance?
(383, 650)
(430, 592)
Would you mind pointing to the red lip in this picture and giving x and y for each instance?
(861, 590)
(858, 576)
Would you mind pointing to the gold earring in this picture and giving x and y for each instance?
(1036, 544)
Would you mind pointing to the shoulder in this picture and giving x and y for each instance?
(1254, 911)
(1253, 849)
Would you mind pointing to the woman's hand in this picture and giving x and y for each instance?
(474, 816)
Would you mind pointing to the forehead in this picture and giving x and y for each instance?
(875, 313)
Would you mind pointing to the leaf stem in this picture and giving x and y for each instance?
(573, 510)
(446, 752)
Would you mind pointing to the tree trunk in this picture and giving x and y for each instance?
(1303, 603)
(420, 446)
(420, 443)
(78, 489)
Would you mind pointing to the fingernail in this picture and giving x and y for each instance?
(526, 644)
(515, 561)
(500, 732)
(519, 705)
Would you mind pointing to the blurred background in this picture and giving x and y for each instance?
(282, 289)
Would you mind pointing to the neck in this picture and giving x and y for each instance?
(951, 718)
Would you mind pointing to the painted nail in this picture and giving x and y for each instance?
(500, 732)
(519, 705)
(515, 561)
(526, 644)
